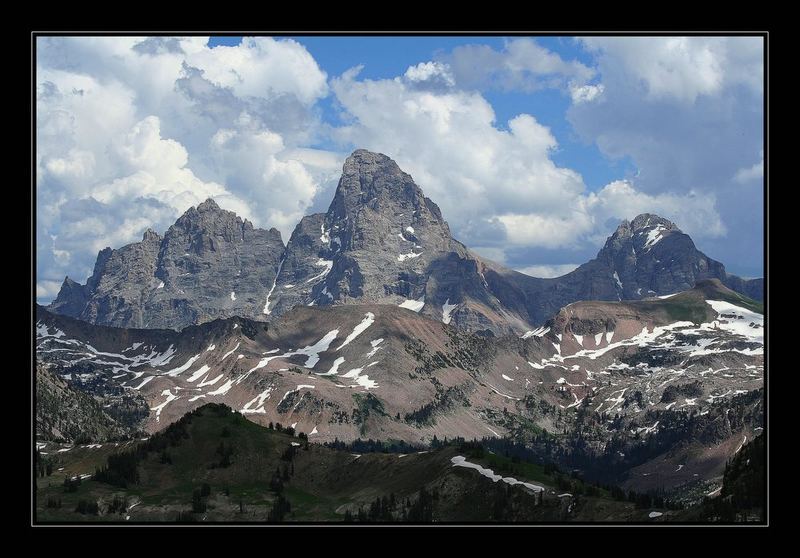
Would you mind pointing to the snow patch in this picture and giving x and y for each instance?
(375, 347)
(199, 372)
(415, 305)
(654, 236)
(312, 352)
(409, 256)
(226, 355)
(298, 388)
(738, 320)
(144, 382)
(210, 382)
(447, 310)
(256, 405)
(460, 461)
(328, 264)
(170, 397)
(363, 381)
(501, 394)
(369, 319)
(275, 282)
(538, 332)
(133, 347)
(184, 368)
(223, 389)
(334, 369)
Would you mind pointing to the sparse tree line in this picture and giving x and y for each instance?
(42, 466)
(742, 497)
(391, 509)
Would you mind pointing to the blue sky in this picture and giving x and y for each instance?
(387, 57)
(534, 147)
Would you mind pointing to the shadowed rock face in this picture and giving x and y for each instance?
(209, 264)
(647, 257)
(381, 241)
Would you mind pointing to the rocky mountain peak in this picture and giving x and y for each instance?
(650, 220)
(374, 180)
(208, 205)
(641, 234)
(151, 236)
(381, 241)
(200, 225)
(210, 263)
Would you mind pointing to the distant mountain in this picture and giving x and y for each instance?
(647, 257)
(209, 264)
(381, 241)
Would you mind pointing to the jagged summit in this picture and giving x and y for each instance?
(375, 181)
(380, 241)
(208, 205)
(150, 236)
(650, 220)
(209, 264)
(643, 224)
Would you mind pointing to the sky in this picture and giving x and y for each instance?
(535, 148)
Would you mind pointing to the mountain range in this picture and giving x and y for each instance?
(380, 242)
(641, 370)
(625, 389)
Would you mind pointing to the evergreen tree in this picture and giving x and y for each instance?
(198, 503)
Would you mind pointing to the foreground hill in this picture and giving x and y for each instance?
(67, 414)
(214, 465)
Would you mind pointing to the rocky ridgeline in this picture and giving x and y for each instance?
(381, 241)
(209, 264)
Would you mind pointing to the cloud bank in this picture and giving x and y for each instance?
(133, 131)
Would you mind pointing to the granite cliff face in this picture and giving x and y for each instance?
(209, 264)
(381, 241)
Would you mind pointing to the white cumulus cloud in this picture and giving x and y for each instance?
(130, 134)
(547, 271)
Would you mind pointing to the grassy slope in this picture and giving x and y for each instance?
(325, 482)
(691, 306)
